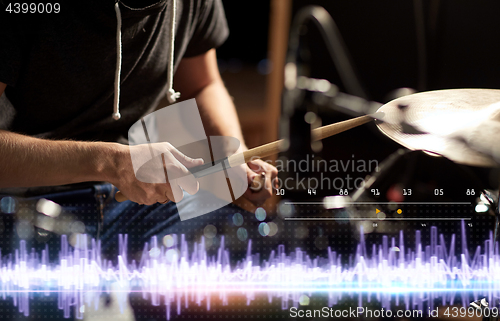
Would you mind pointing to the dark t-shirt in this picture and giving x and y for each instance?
(59, 67)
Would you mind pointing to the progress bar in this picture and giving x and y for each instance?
(381, 203)
(377, 219)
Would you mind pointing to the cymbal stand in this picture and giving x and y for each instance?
(482, 304)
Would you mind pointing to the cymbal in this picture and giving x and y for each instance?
(460, 124)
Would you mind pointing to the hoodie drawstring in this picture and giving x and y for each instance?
(172, 95)
(118, 70)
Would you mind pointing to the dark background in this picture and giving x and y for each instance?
(462, 40)
(461, 43)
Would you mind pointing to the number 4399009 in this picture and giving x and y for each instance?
(33, 7)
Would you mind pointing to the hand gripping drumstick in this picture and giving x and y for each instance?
(270, 149)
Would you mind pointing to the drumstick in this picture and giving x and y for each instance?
(271, 148)
(316, 134)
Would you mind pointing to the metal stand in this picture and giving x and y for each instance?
(482, 304)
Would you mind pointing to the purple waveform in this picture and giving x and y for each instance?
(390, 272)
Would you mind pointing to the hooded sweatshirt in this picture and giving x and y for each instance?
(68, 72)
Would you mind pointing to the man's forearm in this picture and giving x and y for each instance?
(218, 112)
(28, 161)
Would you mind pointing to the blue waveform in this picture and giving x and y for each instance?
(177, 276)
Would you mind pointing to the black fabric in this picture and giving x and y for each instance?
(60, 68)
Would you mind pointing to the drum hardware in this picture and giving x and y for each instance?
(432, 122)
(299, 106)
(304, 95)
(483, 304)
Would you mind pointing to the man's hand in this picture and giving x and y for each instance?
(253, 169)
(144, 179)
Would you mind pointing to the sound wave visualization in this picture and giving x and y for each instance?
(176, 277)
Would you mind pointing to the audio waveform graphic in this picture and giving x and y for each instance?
(175, 276)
